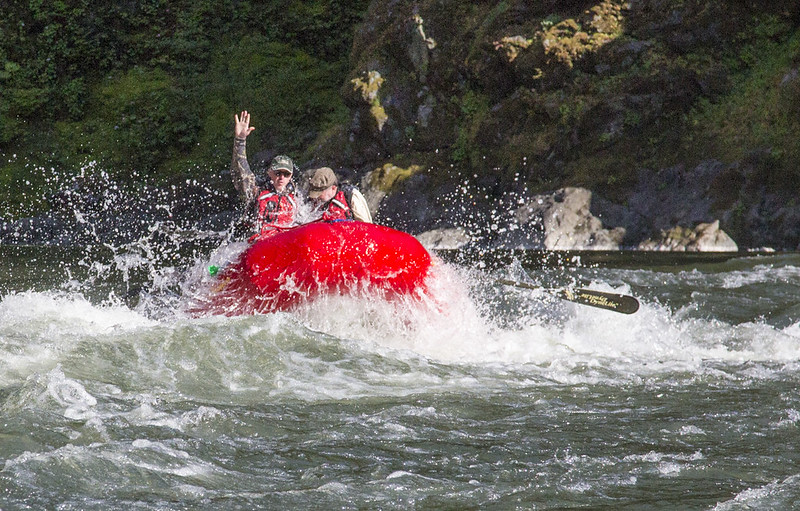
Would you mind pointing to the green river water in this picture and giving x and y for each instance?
(484, 397)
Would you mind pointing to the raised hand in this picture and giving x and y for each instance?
(242, 127)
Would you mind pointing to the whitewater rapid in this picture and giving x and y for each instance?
(477, 395)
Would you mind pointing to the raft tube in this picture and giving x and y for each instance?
(297, 265)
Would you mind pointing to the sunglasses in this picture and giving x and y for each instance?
(282, 173)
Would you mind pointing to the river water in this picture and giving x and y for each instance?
(480, 396)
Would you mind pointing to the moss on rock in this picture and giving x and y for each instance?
(389, 175)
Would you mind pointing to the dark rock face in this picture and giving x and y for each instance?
(711, 207)
(664, 199)
(731, 194)
(520, 98)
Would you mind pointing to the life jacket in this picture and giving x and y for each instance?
(275, 210)
(338, 208)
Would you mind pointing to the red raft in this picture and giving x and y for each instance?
(295, 266)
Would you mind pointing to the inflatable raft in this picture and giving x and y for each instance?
(297, 265)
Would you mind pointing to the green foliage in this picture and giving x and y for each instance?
(632, 119)
(287, 91)
(322, 28)
(484, 27)
(759, 112)
(474, 107)
(152, 86)
(151, 118)
(572, 110)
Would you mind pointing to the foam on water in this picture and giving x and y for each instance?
(777, 495)
(456, 336)
(139, 391)
(100, 469)
(566, 343)
(38, 329)
(760, 274)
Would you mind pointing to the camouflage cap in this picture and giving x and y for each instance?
(282, 162)
(321, 179)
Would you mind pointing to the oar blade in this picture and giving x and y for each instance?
(623, 304)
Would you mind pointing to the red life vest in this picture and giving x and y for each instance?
(337, 208)
(275, 210)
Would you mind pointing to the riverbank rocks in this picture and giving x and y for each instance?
(706, 237)
(559, 221)
(446, 238)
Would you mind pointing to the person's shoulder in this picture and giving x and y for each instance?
(355, 195)
(349, 190)
(358, 205)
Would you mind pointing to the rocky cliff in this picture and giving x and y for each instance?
(672, 113)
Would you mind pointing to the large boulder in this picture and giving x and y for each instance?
(445, 238)
(559, 221)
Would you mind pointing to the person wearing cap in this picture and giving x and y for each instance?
(334, 201)
(272, 207)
